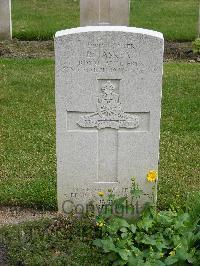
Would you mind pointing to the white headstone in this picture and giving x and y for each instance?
(5, 20)
(104, 12)
(108, 102)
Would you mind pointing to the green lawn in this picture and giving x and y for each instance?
(40, 19)
(179, 148)
(28, 172)
(55, 242)
(28, 123)
(177, 19)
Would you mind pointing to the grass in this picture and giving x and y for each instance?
(28, 172)
(28, 133)
(52, 242)
(179, 148)
(40, 19)
(176, 19)
(193, 204)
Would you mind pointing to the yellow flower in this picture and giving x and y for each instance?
(101, 193)
(172, 253)
(152, 176)
(100, 224)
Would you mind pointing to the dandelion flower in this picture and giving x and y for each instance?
(101, 193)
(100, 224)
(152, 176)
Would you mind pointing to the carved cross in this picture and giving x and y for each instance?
(107, 124)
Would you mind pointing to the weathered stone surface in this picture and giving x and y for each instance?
(104, 12)
(108, 101)
(5, 20)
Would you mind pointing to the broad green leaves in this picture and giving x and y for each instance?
(155, 238)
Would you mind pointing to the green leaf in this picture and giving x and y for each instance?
(108, 245)
(176, 240)
(181, 253)
(135, 260)
(120, 201)
(133, 228)
(145, 223)
(156, 263)
(123, 229)
(171, 260)
(121, 222)
(124, 254)
(182, 222)
(98, 243)
(164, 218)
(116, 224)
(148, 263)
(124, 235)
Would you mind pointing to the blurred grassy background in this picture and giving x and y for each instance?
(40, 19)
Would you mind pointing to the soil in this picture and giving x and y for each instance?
(180, 51)
(26, 49)
(16, 215)
(45, 49)
(3, 255)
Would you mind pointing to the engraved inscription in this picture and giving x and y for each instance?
(73, 195)
(109, 113)
(84, 192)
(102, 56)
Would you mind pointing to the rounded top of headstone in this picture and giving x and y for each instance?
(152, 33)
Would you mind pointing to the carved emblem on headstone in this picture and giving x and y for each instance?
(109, 113)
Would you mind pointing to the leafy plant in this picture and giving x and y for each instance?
(193, 205)
(196, 46)
(153, 238)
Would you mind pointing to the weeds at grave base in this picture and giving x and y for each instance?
(154, 238)
(196, 46)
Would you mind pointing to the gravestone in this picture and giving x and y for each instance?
(104, 12)
(108, 103)
(5, 20)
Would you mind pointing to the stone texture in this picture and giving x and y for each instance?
(5, 20)
(104, 12)
(108, 101)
